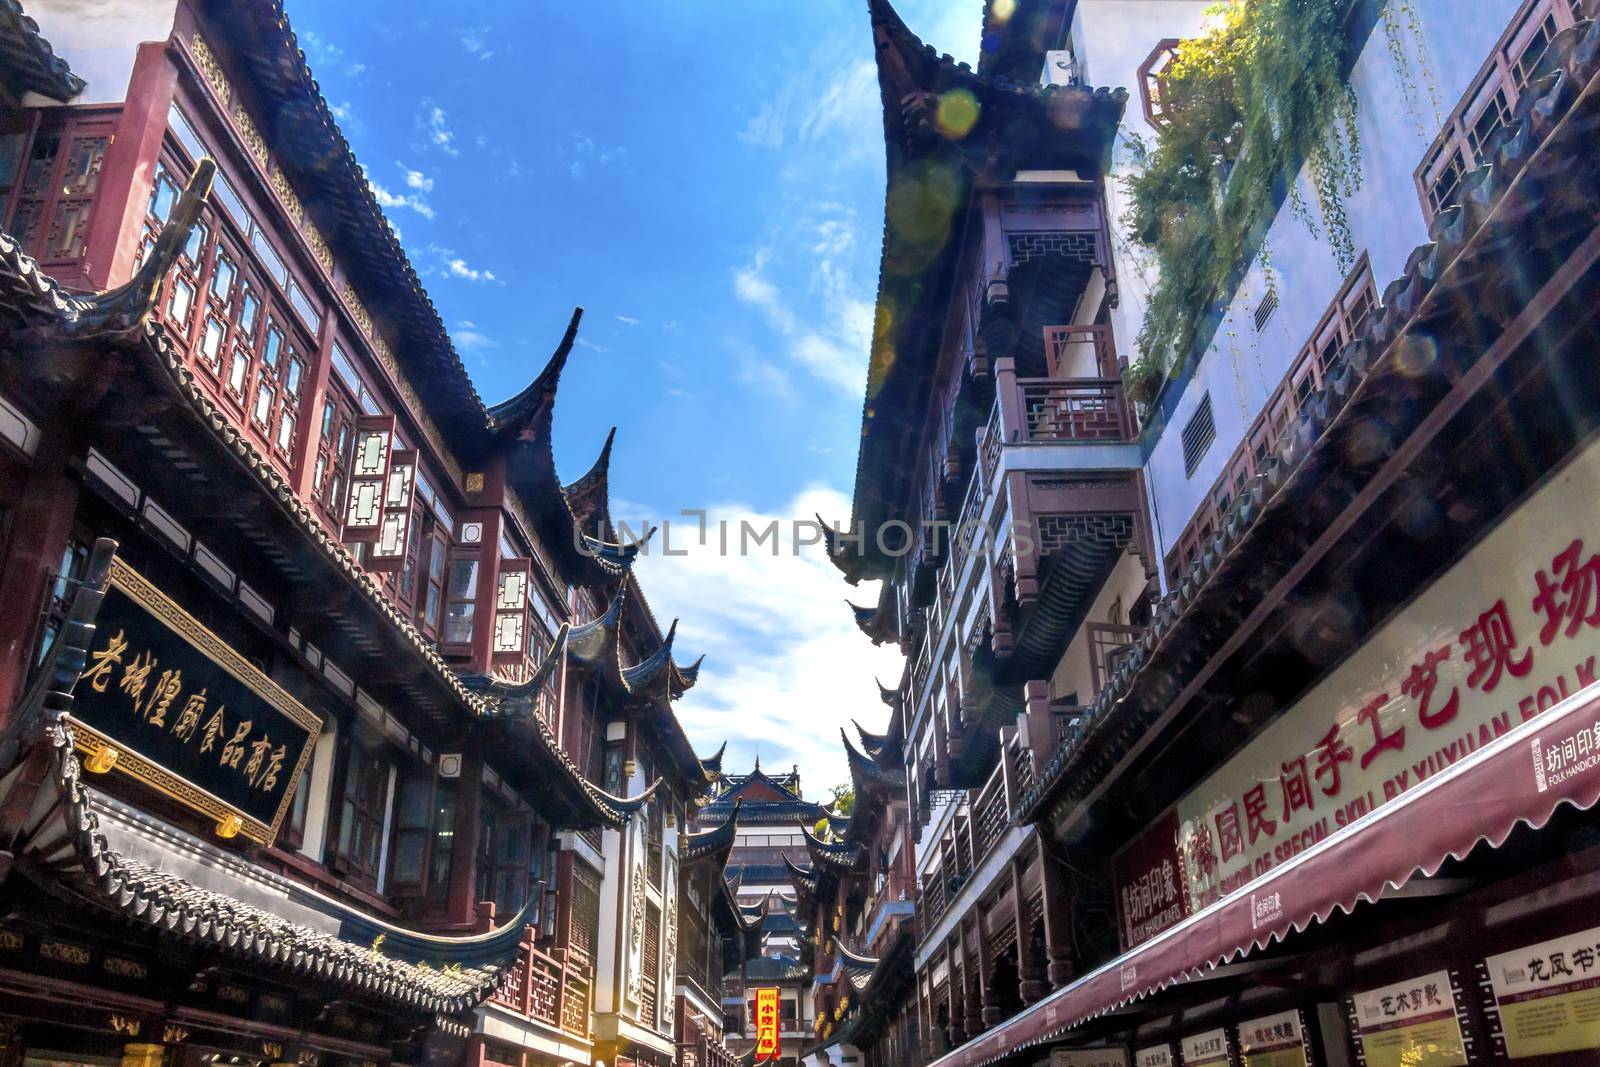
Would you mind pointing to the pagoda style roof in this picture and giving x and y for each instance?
(340, 203)
(853, 967)
(868, 775)
(873, 621)
(841, 856)
(765, 800)
(992, 127)
(714, 844)
(871, 743)
(597, 646)
(63, 852)
(521, 429)
(880, 985)
(804, 878)
(27, 62)
(1515, 228)
(119, 321)
(713, 762)
(778, 967)
(516, 705)
(590, 495)
(651, 684)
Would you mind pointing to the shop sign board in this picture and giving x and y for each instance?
(164, 700)
(1411, 1024)
(1107, 1056)
(767, 1046)
(1273, 1041)
(1205, 1049)
(1155, 1056)
(1548, 995)
(1505, 633)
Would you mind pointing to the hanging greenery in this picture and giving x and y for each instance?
(1246, 104)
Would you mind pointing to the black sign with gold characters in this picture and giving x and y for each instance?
(165, 700)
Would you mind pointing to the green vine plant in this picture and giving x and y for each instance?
(1400, 24)
(1245, 104)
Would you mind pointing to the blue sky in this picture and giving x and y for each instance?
(706, 180)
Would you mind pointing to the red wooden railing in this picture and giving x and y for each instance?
(990, 815)
(1080, 351)
(1074, 409)
(552, 988)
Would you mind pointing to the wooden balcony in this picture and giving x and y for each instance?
(1080, 400)
(553, 988)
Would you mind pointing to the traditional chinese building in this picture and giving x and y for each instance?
(716, 939)
(858, 888)
(1312, 781)
(769, 814)
(334, 727)
(1000, 500)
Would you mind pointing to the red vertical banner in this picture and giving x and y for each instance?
(767, 1046)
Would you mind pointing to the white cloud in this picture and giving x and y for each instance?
(438, 131)
(627, 320)
(415, 179)
(388, 200)
(584, 342)
(785, 665)
(456, 266)
(476, 42)
(832, 343)
(340, 111)
(458, 269)
(469, 338)
(822, 100)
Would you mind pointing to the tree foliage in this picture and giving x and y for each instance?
(1247, 103)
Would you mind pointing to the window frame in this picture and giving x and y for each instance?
(363, 811)
(1497, 74)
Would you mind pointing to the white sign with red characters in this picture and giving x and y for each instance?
(1505, 633)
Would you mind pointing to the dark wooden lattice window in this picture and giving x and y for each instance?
(363, 795)
(650, 967)
(585, 930)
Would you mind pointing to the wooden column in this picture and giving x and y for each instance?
(461, 907)
(40, 527)
(303, 464)
(1024, 538)
(957, 992)
(128, 172)
(1058, 905)
(1041, 726)
(1030, 967)
(972, 958)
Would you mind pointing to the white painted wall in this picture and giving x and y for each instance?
(1241, 369)
(98, 39)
